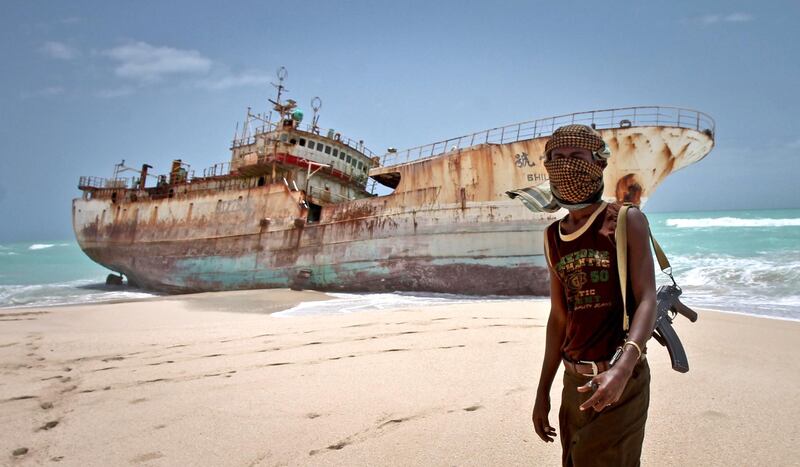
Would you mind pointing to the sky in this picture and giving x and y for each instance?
(84, 85)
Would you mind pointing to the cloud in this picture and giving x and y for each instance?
(48, 91)
(143, 62)
(59, 50)
(738, 17)
(229, 80)
(143, 65)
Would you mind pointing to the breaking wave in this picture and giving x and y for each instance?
(40, 246)
(66, 293)
(764, 284)
(344, 303)
(731, 222)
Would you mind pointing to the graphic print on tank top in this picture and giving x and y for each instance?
(585, 273)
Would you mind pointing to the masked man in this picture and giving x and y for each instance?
(605, 397)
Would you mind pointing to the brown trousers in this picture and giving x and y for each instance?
(612, 437)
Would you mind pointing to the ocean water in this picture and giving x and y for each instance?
(54, 273)
(740, 261)
(743, 261)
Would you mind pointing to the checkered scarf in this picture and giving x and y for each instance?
(577, 136)
(574, 180)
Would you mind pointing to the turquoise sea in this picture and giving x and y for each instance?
(742, 261)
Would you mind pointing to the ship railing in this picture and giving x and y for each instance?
(217, 170)
(328, 196)
(357, 145)
(87, 182)
(625, 117)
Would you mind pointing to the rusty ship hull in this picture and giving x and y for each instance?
(447, 226)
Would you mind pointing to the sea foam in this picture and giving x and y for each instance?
(344, 303)
(40, 246)
(731, 222)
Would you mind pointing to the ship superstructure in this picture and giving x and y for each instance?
(292, 207)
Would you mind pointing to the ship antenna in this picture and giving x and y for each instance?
(282, 73)
(281, 108)
(316, 104)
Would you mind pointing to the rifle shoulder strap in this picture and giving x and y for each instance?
(621, 235)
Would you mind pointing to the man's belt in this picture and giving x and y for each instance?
(586, 368)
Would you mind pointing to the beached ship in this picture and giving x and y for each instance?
(299, 206)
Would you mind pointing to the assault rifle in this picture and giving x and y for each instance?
(667, 308)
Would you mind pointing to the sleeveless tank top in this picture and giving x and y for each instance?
(586, 265)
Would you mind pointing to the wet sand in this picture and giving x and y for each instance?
(214, 379)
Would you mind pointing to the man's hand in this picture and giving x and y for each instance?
(610, 385)
(541, 409)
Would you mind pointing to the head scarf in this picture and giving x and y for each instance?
(578, 136)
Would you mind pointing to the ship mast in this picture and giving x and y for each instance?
(283, 109)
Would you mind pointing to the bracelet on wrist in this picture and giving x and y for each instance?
(635, 345)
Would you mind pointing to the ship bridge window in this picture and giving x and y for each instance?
(353, 162)
(310, 144)
(302, 141)
(335, 152)
(327, 149)
(341, 155)
(349, 159)
(293, 141)
(360, 165)
(284, 137)
(319, 147)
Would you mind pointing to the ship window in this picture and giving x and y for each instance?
(284, 137)
(314, 212)
(341, 155)
(319, 147)
(335, 152)
(327, 149)
(349, 158)
(302, 141)
(360, 165)
(311, 144)
(353, 162)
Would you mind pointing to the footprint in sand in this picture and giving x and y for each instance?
(20, 398)
(48, 426)
(114, 359)
(147, 457)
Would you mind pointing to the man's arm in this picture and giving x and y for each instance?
(642, 274)
(556, 327)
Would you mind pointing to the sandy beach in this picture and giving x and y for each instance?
(214, 379)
